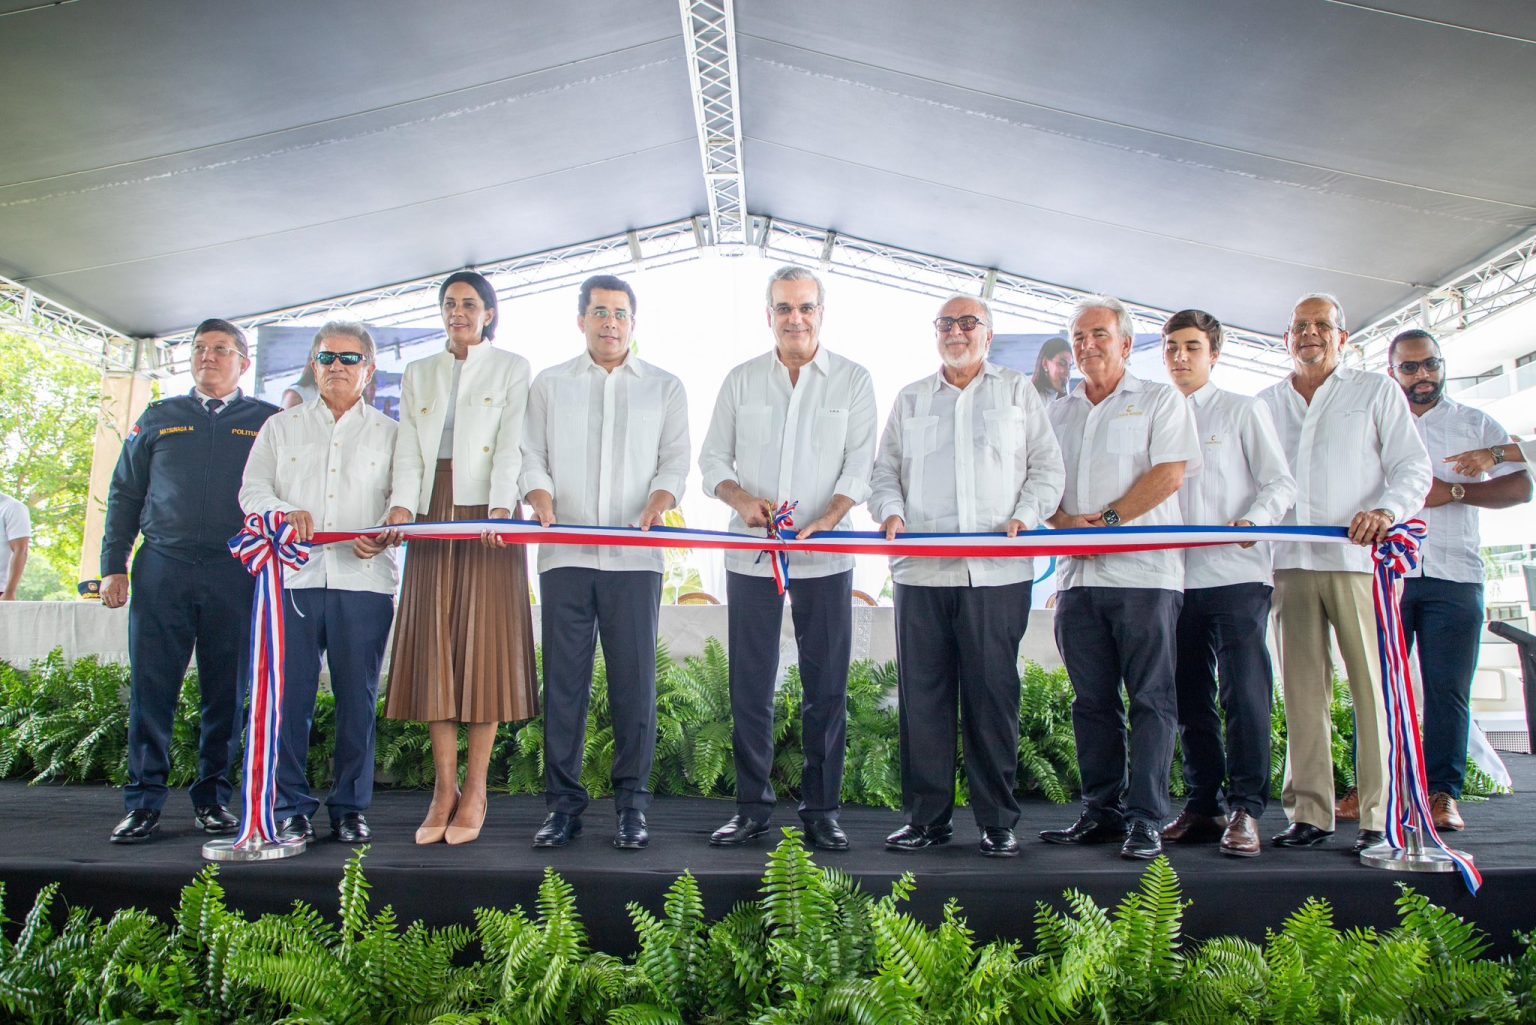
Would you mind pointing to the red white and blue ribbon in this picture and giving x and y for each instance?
(267, 545)
(1407, 788)
(781, 528)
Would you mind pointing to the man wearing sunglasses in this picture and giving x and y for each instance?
(177, 482)
(326, 465)
(1442, 600)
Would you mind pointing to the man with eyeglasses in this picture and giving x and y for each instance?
(326, 465)
(970, 450)
(606, 444)
(1357, 460)
(178, 483)
(796, 424)
(1126, 444)
(1442, 599)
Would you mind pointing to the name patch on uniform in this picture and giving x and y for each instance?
(243, 432)
(176, 430)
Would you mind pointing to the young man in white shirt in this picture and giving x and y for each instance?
(968, 449)
(605, 444)
(15, 540)
(1442, 600)
(1357, 460)
(796, 424)
(1243, 481)
(326, 465)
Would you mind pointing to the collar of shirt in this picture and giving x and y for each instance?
(1128, 383)
(820, 362)
(585, 364)
(203, 398)
(1205, 393)
(988, 369)
(317, 408)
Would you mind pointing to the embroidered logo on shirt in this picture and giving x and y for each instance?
(176, 430)
(242, 432)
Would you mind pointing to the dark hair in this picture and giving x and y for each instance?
(1052, 348)
(1413, 334)
(219, 324)
(608, 283)
(487, 294)
(1200, 321)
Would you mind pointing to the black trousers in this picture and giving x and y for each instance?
(1221, 637)
(822, 611)
(1108, 636)
(957, 650)
(580, 605)
(178, 607)
(352, 628)
(1445, 618)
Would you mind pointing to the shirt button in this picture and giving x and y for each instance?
(487, 400)
(486, 449)
(423, 409)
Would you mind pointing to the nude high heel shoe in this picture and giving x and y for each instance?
(457, 834)
(435, 834)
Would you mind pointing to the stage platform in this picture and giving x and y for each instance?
(59, 833)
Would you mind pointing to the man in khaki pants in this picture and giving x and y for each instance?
(1357, 459)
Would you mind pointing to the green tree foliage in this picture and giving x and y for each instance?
(48, 404)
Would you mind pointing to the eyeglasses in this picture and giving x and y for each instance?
(1413, 366)
(804, 309)
(603, 313)
(348, 359)
(1322, 327)
(967, 323)
(219, 351)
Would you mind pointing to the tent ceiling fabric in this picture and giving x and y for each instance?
(169, 160)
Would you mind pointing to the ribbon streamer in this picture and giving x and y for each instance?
(267, 545)
(1407, 788)
(781, 528)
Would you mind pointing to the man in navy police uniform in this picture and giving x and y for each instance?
(177, 482)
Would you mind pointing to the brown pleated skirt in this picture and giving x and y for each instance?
(464, 639)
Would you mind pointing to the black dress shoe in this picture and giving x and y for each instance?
(631, 834)
(215, 820)
(558, 830)
(1085, 830)
(738, 831)
(297, 827)
(136, 827)
(916, 838)
(1143, 843)
(997, 842)
(1368, 838)
(1301, 834)
(351, 828)
(826, 835)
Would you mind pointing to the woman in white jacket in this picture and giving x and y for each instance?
(464, 641)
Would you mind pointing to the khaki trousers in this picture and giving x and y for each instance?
(1307, 602)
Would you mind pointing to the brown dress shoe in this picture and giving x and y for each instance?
(1193, 827)
(1241, 837)
(1443, 810)
(1347, 807)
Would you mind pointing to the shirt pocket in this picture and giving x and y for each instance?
(753, 426)
(919, 437)
(1127, 435)
(829, 434)
(367, 467)
(1003, 429)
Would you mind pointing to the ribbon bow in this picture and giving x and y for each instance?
(267, 545)
(783, 520)
(1407, 788)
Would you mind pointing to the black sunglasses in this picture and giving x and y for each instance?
(348, 359)
(1412, 366)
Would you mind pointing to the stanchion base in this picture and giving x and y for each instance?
(255, 849)
(1426, 860)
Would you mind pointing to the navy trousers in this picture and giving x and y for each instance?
(579, 605)
(1108, 636)
(178, 607)
(352, 628)
(1221, 645)
(822, 611)
(957, 651)
(1445, 618)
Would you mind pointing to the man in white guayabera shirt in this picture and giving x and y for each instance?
(1442, 600)
(796, 424)
(605, 443)
(1126, 444)
(1358, 461)
(967, 449)
(1243, 480)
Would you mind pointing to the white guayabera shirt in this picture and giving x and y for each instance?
(1243, 475)
(600, 443)
(1353, 448)
(802, 443)
(967, 461)
(1107, 448)
(338, 471)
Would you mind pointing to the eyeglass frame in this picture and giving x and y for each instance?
(785, 309)
(1409, 367)
(943, 328)
(219, 351)
(320, 358)
(623, 316)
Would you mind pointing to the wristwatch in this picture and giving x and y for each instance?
(1458, 492)
(1110, 517)
(1497, 452)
